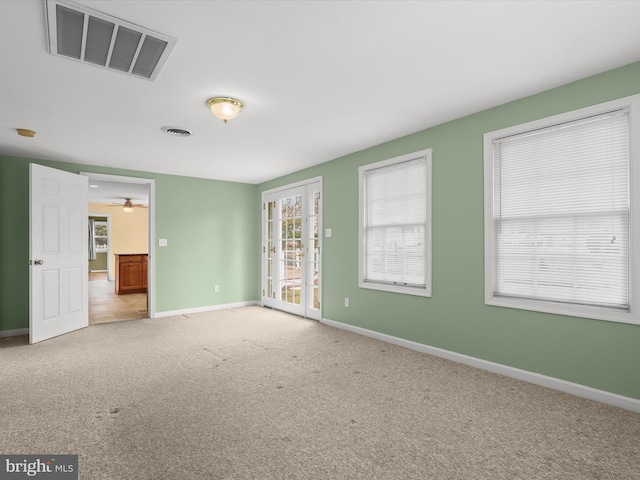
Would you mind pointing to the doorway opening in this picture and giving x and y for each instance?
(115, 232)
(121, 286)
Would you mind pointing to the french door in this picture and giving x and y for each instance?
(291, 249)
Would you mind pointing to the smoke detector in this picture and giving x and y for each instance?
(86, 35)
(25, 132)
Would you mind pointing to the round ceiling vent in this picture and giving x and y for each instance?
(177, 131)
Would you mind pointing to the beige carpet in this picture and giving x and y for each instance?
(255, 394)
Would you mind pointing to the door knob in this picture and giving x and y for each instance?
(39, 262)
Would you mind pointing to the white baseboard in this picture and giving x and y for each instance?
(577, 389)
(14, 333)
(208, 308)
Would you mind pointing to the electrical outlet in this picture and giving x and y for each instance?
(346, 301)
(216, 288)
(162, 242)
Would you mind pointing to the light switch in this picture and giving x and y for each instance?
(327, 232)
(162, 242)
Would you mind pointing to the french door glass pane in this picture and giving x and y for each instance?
(270, 250)
(291, 249)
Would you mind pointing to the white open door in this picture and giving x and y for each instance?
(58, 252)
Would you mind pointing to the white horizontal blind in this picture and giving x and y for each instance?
(561, 213)
(395, 223)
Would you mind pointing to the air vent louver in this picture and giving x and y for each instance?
(86, 35)
(176, 131)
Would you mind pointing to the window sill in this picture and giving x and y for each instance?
(384, 287)
(585, 311)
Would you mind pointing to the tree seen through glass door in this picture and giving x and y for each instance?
(292, 249)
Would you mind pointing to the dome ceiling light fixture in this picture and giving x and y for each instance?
(225, 108)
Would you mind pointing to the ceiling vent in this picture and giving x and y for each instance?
(176, 131)
(80, 33)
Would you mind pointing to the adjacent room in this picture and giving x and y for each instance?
(320, 239)
(118, 250)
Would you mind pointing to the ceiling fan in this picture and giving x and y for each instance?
(128, 205)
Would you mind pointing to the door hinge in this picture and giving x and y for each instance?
(264, 206)
(263, 293)
(263, 250)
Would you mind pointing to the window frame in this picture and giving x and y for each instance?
(425, 291)
(106, 237)
(632, 316)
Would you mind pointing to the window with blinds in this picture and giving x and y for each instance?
(558, 214)
(395, 224)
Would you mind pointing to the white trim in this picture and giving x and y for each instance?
(208, 308)
(620, 401)
(289, 186)
(599, 313)
(151, 265)
(14, 333)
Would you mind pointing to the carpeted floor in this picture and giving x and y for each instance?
(251, 393)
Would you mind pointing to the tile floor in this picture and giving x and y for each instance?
(106, 306)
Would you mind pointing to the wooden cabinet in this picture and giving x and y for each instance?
(131, 273)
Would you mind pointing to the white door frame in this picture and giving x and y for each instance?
(316, 314)
(151, 265)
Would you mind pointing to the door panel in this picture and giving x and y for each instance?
(130, 275)
(51, 295)
(291, 250)
(312, 254)
(75, 285)
(285, 245)
(74, 235)
(58, 249)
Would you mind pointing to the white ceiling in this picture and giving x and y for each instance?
(101, 191)
(320, 79)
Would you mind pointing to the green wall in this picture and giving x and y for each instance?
(99, 263)
(212, 227)
(600, 354)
